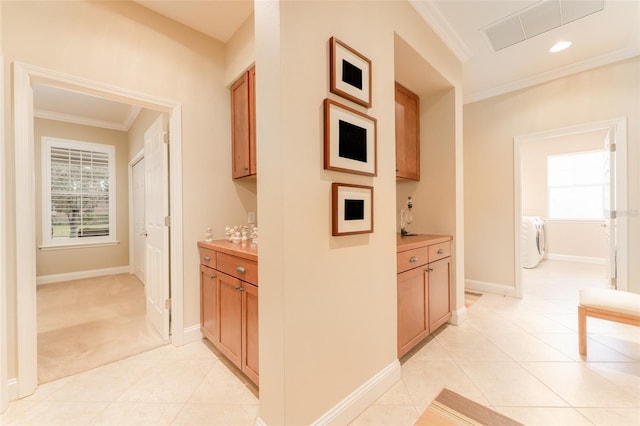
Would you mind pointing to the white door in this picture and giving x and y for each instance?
(139, 220)
(157, 240)
(610, 213)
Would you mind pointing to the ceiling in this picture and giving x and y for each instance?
(603, 37)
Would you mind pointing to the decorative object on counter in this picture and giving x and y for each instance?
(349, 73)
(208, 236)
(352, 209)
(242, 234)
(349, 140)
(406, 217)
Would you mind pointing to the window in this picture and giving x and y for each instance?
(576, 186)
(78, 190)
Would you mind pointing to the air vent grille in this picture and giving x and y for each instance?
(537, 19)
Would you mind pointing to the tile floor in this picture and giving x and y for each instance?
(519, 357)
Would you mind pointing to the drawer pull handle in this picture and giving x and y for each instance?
(429, 269)
(240, 269)
(213, 275)
(239, 288)
(413, 259)
(207, 258)
(440, 251)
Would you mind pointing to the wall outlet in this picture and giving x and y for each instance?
(251, 217)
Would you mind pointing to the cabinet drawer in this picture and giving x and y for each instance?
(412, 259)
(207, 257)
(439, 251)
(246, 270)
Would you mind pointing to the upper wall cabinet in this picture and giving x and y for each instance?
(243, 125)
(407, 134)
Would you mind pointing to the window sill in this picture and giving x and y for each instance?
(576, 221)
(78, 246)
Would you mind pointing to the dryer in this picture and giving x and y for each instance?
(532, 241)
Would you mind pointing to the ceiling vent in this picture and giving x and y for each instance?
(538, 19)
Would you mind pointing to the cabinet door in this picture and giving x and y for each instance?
(230, 317)
(439, 293)
(250, 331)
(412, 309)
(208, 302)
(407, 134)
(240, 127)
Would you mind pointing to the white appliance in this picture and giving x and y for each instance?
(532, 241)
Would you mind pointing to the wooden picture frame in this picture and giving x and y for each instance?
(350, 73)
(350, 140)
(352, 209)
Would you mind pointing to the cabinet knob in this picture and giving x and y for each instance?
(207, 258)
(429, 269)
(240, 269)
(413, 259)
(246, 168)
(239, 288)
(440, 251)
(213, 276)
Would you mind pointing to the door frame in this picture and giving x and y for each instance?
(620, 128)
(135, 160)
(24, 76)
(4, 397)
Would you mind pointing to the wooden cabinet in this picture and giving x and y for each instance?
(243, 125)
(407, 134)
(424, 287)
(229, 302)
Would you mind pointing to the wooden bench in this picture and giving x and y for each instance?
(611, 305)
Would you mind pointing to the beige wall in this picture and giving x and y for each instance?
(328, 304)
(489, 128)
(168, 61)
(580, 239)
(52, 262)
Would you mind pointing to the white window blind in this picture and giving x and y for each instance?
(78, 192)
(576, 186)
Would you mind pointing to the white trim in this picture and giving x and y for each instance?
(576, 259)
(12, 389)
(459, 316)
(78, 246)
(4, 400)
(85, 121)
(608, 58)
(260, 422)
(191, 334)
(79, 275)
(620, 126)
(24, 76)
(136, 158)
(493, 288)
(354, 404)
(432, 15)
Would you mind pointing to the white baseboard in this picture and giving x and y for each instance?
(485, 287)
(191, 334)
(12, 389)
(353, 405)
(459, 316)
(576, 259)
(48, 279)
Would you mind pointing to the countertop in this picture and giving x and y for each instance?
(410, 242)
(245, 251)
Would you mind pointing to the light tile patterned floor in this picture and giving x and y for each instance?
(519, 357)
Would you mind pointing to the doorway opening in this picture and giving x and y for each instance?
(573, 182)
(25, 76)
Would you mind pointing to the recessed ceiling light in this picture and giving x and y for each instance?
(559, 46)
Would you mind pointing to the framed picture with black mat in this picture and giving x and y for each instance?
(349, 140)
(350, 73)
(352, 209)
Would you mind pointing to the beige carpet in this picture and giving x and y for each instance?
(452, 409)
(83, 324)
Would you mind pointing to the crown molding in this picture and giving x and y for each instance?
(85, 121)
(431, 14)
(606, 59)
